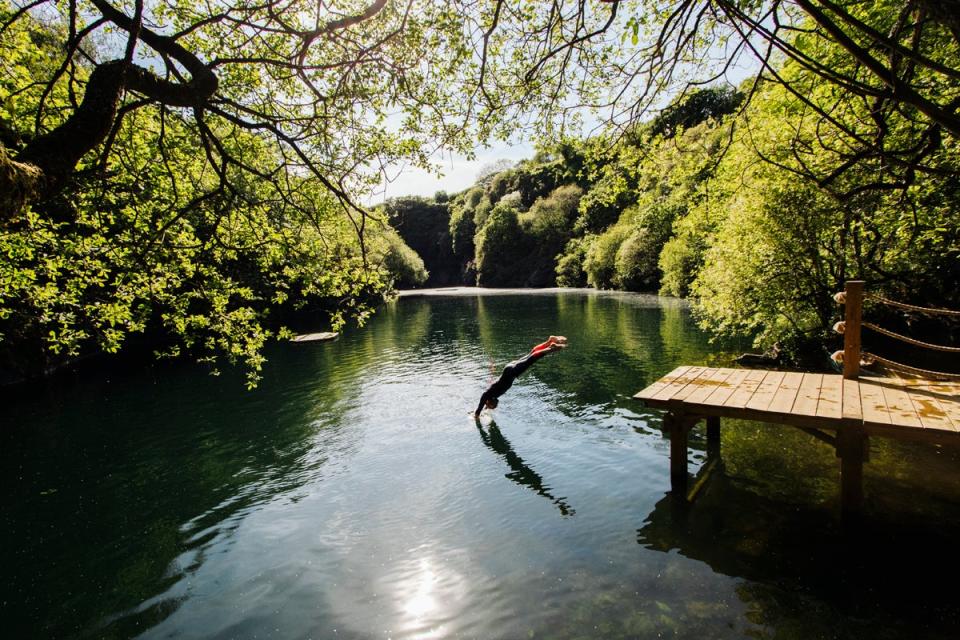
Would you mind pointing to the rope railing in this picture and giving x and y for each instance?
(912, 307)
(925, 373)
(852, 298)
(909, 340)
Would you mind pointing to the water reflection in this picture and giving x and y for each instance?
(143, 481)
(349, 497)
(805, 572)
(422, 600)
(521, 474)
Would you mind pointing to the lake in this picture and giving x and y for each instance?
(352, 496)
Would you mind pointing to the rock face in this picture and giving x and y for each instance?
(425, 226)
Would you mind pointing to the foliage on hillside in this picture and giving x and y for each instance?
(581, 212)
(757, 213)
(424, 225)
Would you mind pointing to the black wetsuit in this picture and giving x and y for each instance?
(510, 373)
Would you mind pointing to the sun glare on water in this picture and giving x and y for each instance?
(423, 601)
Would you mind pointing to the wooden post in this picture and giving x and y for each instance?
(851, 448)
(853, 312)
(713, 435)
(678, 426)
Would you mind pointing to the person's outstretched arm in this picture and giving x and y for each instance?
(483, 401)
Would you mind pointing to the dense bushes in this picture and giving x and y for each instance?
(602, 204)
(580, 212)
(549, 224)
(462, 230)
(601, 256)
(146, 242)
(519, 248)
(570, 271)
(403, 264)
(775, 247)
(636, 261)
(503, 249)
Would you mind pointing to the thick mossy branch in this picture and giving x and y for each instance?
(57, 153)
(19, 183)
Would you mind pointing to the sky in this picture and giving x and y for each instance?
(459, 173)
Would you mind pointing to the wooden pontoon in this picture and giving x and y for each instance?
(842, 410)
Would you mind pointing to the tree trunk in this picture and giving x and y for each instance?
(43, 166)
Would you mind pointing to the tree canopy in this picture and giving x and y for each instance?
(198, 166)
(340, 89)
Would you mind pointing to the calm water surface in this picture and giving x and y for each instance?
(351, 496)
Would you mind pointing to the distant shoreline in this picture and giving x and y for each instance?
(512, 291)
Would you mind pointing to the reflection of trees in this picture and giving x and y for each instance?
(620, 342)
(402, 324)
(803, 571)
(167, 465)
(521, 474)
(618, 348)
(149, 474)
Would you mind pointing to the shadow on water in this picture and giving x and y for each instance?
(806, 573)
(521, 474)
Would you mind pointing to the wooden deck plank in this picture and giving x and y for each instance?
(927, 405)
(831, 397)
(872, 402)
(952, 408)
(851, 409)
(764, 395)
(913, 410)
(809, 395)
(901, 409)
(652, 390)
(948, 395)
(908, 409)
(723, 392)
(742, 394)
(708, 384)
(786, 394)
(694, 385)
(678, 383)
